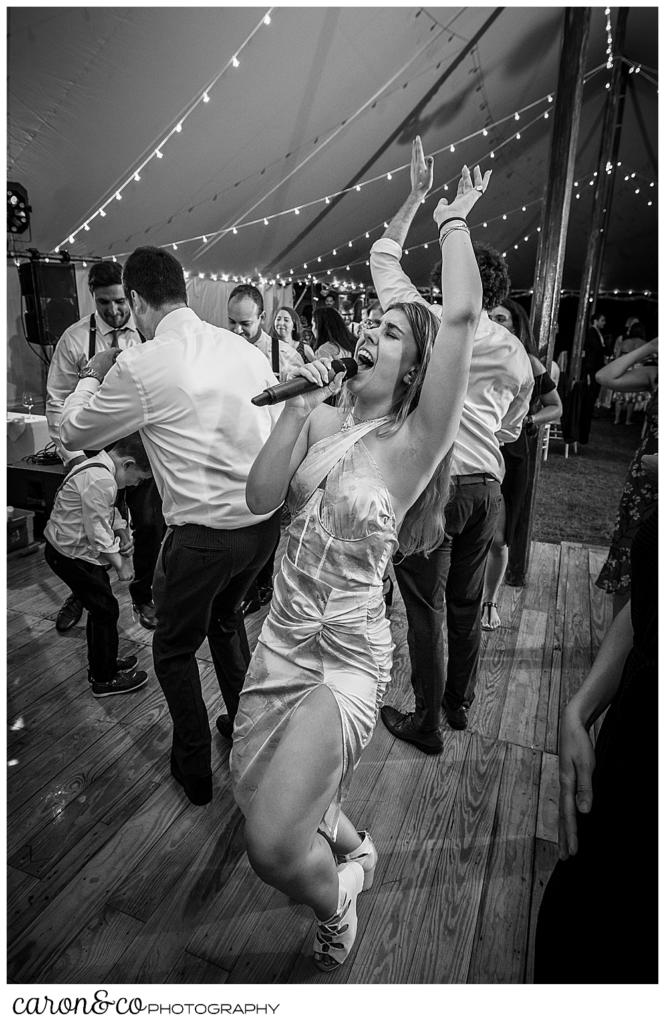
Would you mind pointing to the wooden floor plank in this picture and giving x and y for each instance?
(496, 662)
(33, 955)
(576, 659)
(191, 970)
(547, 826)
(519, 714)
(448, 913)
(545, 569)
(96, 949)
(500, 942)
(23, 629)
(552, 730)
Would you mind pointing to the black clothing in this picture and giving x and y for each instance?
(201, 577)
(145, 507)
(90, 584)
(598, 921)
(454, 571)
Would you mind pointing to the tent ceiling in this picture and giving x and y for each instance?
(92, 91)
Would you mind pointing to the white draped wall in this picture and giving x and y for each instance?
(25, 371)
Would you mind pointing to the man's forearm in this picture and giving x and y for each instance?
(94, 416)
(399, 226)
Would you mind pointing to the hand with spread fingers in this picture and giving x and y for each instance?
(469, 192)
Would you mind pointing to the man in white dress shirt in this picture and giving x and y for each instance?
(247, 316)
(500, 385)
(189, 394)
(110, 327)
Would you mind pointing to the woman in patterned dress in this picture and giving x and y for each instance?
(639, 493)
(360, 475)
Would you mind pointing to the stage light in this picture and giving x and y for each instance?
(18, 208)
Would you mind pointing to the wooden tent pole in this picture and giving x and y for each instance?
(602, 198)
(552, 243)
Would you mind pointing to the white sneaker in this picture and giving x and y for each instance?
(335, 937)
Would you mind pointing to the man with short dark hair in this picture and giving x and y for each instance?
(111, 326)
(497, 400)
(189, 394)
(247, 317)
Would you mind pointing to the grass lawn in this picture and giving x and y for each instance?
(578, 497)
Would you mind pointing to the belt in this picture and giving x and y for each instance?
(474, 478)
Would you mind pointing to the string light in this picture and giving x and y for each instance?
(177, 128)
(326, 199)
(608, 28)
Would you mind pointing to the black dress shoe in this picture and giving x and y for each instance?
(403, 726)
(224, 725)
(69, 614)
(198, 788)
(458, 718)
(250, 604)
(146, 614)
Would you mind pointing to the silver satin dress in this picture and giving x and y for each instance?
(326, 625)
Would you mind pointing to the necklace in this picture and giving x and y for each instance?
(351, 421)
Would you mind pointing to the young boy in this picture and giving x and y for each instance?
(85, 532)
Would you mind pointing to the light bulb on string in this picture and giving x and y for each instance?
(206, 98)
(137, 176)
(118, 196)
(159, 154)
(204, 239)
(266, 20)
(72, 239)
(178, 127)
(102, 212)
(235, 62)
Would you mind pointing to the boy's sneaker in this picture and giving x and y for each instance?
(127, 664)
(124, 682)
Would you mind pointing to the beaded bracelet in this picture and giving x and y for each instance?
(454, 227)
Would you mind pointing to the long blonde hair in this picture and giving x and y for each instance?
(423, 528)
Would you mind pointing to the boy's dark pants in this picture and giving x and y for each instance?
(90, 584)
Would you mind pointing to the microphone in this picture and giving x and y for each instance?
(298, 385)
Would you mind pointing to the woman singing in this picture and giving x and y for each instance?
(362, 477)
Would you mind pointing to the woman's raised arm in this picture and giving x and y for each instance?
(435, 423)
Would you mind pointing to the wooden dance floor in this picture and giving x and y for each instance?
(115, 877)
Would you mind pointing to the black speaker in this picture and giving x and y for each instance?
(50, 300)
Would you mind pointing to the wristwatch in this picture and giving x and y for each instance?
(90, 371)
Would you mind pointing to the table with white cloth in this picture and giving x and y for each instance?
(25, 435)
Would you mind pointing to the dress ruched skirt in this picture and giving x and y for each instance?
(315, 635)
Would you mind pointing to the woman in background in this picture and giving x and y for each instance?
(631, 372)
(286, 327)
(545, 407)
(632, 401)
(333, 338)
